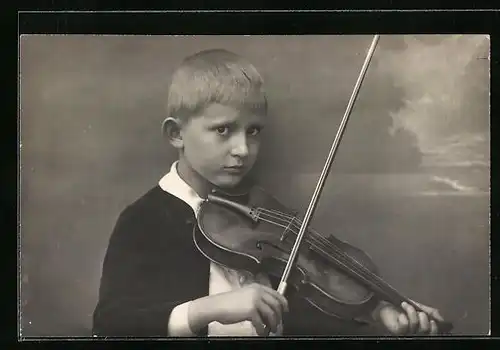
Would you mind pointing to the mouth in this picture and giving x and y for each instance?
(234, 169)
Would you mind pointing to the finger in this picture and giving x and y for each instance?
(403, 324)
(275, 305)
(434, 327)
(259, 326)
(412, 316)
(390, 318)
(268, 315)
(424, 323)
(430, 311)
(274, 293)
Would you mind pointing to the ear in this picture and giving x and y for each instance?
(171, 129)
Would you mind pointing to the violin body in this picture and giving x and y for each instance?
(254, 232)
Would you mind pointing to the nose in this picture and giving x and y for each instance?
(240, 145)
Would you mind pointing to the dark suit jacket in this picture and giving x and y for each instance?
(152, 265)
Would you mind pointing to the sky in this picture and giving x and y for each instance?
(440, 81)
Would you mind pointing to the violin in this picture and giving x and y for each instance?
(253, 231)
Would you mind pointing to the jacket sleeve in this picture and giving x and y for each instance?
(141, 280)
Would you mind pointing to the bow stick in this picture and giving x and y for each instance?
(326, 169)
(319, 186)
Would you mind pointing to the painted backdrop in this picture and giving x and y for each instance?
(409, 185)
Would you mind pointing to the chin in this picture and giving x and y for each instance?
(228, 181)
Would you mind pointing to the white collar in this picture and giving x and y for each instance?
(175, 185)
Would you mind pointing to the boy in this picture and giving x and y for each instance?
(154, 280)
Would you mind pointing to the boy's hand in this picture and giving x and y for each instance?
(261, 305)
(409, 322)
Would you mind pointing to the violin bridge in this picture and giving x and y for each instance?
(287, 228)
(283, 235)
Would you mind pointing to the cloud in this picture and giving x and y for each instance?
(445, 103)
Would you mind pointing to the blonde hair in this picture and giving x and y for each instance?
(215, 76)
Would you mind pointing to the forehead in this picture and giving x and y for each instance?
(220, 114)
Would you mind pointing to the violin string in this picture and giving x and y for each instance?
(373, 279)
(319, 236)
(331, 244)
(362, 272)
(276, 213)
(338, 261)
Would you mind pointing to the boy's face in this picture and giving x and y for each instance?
(221, 145)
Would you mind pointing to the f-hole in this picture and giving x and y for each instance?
(260, 246)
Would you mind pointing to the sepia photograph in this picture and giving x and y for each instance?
(176, 186)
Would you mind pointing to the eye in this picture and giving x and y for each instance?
(254, 131)
(222, 130)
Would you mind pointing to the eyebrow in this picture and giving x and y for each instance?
(257, 125)
(233, 123)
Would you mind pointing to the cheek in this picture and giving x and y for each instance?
(254, 149)
(204, 149)
(197, 143)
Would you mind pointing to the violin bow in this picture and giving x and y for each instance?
(326, 169)
(324, 173)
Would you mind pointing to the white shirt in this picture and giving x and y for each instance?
(221, 279)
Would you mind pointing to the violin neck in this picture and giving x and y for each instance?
(384, 290)
(391, 295)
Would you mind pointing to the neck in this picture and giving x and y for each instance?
(201, 186)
